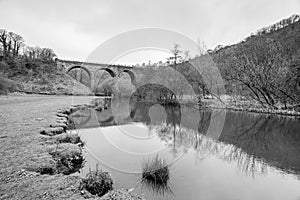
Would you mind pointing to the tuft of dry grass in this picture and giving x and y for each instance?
(97, 182)
(155, 171)
(46, 170)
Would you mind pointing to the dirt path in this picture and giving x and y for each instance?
(22, 147)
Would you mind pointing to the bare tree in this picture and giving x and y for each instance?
(202, 49)
(186, 56)
(174, 59)
(4, 41)
(39, 53)
(16, 42)
(260, 68)
(47, 54)
(11, 43)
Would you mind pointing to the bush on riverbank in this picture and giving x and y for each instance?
(251, 106)
(97, 182)
(72, 138)
(68, 157)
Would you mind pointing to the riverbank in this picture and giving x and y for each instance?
(24, 149)
(249, 106)
(228, 103)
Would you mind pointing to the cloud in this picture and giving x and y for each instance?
(74, 27)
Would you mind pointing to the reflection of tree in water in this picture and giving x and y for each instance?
(155, 93)
(178, 137)
(254, 142)
(181, 139)
(140, 111)
(204, 121)
(248, 164)
(186, 139)
(275, 140)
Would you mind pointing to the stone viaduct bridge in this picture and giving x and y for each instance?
(93, 68)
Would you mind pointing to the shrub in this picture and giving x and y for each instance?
(71, 138)
(68, 161)
(43, 168)
(7, 85)
(97, 182)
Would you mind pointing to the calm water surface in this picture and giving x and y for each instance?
(212, 154)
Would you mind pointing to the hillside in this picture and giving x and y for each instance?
(37, 76)
(265, 66)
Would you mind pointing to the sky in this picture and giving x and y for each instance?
(75, 28)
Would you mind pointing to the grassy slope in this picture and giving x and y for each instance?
(37, 76)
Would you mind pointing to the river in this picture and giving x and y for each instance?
(211, 154)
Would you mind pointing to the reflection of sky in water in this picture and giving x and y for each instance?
(136, 130)
(122, 151)
(133, 139)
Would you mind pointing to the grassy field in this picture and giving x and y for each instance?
(23, 148)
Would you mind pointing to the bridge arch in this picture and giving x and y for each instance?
(80, 67)
(131, 74)
(110, 71)
(98, 76)
(85, 69)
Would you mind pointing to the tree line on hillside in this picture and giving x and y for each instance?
(265, 30)
(279, 25)
(25, 68)
(13, 45)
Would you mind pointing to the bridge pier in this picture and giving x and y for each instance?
(93, 83)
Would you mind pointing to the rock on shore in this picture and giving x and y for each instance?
(121, 194)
